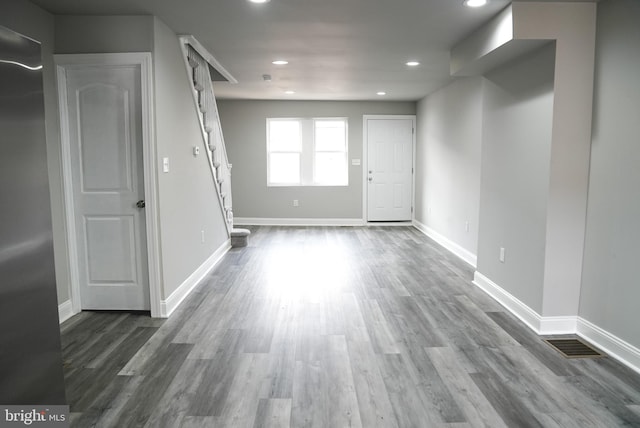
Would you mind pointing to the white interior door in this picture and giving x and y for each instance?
(389, 164)
(105, 132)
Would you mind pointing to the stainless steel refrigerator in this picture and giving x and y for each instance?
(30, 351)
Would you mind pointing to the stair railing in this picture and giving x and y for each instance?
(202, 84)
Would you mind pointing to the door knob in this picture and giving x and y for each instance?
(140, 203)
(370, 178)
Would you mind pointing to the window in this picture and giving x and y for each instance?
(307, 152)
(330, 152)
(285, 147)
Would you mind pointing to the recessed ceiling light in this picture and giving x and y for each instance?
(259, 1)
(381, 93)
(289, 92)
(475, 3)
(279, 62)
(413, 63)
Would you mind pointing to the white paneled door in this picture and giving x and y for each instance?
(104, 117)
(389, 169)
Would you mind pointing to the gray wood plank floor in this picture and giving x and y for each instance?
(335, 327)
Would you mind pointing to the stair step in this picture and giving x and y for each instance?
(240, 237)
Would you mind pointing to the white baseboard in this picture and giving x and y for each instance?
(615, 347)
(511, 303)
(541, 325)
(172, 302)
(612, 345)
(558, 325)
(257, 221)
(65, 311)
(456, 249)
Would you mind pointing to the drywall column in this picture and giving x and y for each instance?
(573, 27)
(517, 30)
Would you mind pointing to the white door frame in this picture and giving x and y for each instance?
(144, 60)
(365, 161)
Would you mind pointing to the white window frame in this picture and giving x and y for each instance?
(308, 151)
(277, 184)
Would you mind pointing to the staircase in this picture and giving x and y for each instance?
(200, 71)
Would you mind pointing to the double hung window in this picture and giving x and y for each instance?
(307, 152)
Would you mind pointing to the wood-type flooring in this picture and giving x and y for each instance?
(335, 327)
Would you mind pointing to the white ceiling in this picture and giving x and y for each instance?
(337, 49)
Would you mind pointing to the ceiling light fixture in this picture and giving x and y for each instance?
(475, 3)
(289, 92)
(413, 63)
(259, 1)
(381, 93)
(279, 62)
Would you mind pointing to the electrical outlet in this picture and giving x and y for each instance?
(202, 236)
(296, 203)
(466, 226)
(501, 254)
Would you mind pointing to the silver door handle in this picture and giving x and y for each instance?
(140, 203)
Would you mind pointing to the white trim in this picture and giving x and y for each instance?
(403, 223)
(612, 345)
(72, 248)
(172, 302)
(255, 221)
(65, 311)
(204, 53)
(515, 306)
(149, 158)
(365, 153)
(558, 325)
(541, 325)
(144, 59)
(456, 249)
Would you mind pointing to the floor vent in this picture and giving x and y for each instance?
(574, 348)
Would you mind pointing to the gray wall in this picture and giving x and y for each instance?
(516, 142)
(244, 128)
(30, 20)
(610, 291)
(187, 200)
(448, 161)
(103, 34)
